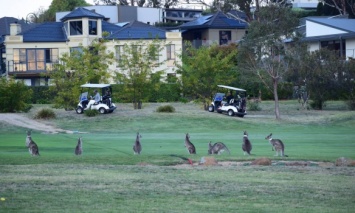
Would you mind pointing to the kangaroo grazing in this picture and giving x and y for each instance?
(137, 147)
(217, 148)
(32, 146)
(79, 147)
(246, 146)
(190, 147)
(277, 145)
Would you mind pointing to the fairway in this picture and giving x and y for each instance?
(108, 177)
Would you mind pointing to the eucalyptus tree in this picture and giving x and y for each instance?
(266, 51)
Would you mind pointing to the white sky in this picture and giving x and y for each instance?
(21, 8)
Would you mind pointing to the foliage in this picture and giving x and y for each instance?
(91, 112)
(15, 96)
(58, 6)
(43, 95)
(166, 92)
(137, 62)
(264, 52)
(79, 67)
(45, 113)
(166, 108)
(204, 68)
(254, 105)
(347, 83)
(140, 3)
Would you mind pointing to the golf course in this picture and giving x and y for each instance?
(109, 177)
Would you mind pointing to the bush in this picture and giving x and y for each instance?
(45, 114)
(43, 95)
(15, 96)
(253, 105)
(91, 112)
(166, 108)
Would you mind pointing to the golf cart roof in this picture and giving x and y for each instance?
(95, 85)
(232, 88)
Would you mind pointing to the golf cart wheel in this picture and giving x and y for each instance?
(79, 110)
(102, 110)
(211, 108)
(230, 112)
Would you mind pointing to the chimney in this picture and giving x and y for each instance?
(15, 28)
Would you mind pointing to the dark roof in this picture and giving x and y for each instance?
(344, 24)
(216, 21)
(109, 27)
(5, 26)
(138, 30)
(329, 37)
(45, 32)
(81, 12)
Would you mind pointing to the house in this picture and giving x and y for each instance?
(216, 28)
(28, 53)
(330, 32)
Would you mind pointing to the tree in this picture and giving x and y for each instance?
(204, 68)
(87, 64)
(336, 7)
(59, 6)
(264, 51)
(15, 96)
(137, 61)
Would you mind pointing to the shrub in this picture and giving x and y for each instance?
(253, 105)
(166, 108)
(15, 96)
(91, 112)
(45, 114)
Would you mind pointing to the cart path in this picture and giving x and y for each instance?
(23, 121)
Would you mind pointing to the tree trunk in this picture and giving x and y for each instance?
(276, 98)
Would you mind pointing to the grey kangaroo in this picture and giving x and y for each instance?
(32, 146)
(79, 147)
(137, 147)
(27, 138)
(190, 147)
(246, 146)
(217, 148)
(277, 145)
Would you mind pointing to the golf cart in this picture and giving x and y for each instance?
(104, 105)
(233, 104)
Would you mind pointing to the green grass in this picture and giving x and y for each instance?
(109, 178)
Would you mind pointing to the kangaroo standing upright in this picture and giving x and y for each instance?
(79, 147)
(246, 146)
(277, 145)
(190, 147)
(137, 147)
(32, 146)
(217, 148)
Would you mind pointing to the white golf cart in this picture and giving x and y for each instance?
(105, 104)
(234, 104)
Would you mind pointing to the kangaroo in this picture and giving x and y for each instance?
(246, 146)
(190, 147)
(137, 147)
(32, 147)
(27, 138)
(217, 148)
(79, 147)
(277, 145)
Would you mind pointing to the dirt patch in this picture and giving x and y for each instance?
(23, 121)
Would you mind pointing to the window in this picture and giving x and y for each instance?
(225, 37)
(335, 45)
(76, 27)
(170, 51)
(34, 59)
(119, 52)
(92, 27)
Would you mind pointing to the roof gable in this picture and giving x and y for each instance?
(342, 24)
(138, 30)
(81, 12)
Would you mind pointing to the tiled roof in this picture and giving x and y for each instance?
(138, 30)
(45, 32)
(216, 21)
(81, 12)
(109, 27)
(5, 26)
(344, 24)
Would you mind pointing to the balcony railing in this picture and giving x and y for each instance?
(37, 67)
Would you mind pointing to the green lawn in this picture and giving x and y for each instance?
(109, 178)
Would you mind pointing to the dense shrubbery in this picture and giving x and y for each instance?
(42, 95)
(91, 112)
(15, 96)
(45, 114)
(166, 108)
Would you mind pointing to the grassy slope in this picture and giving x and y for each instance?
(105, 178)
